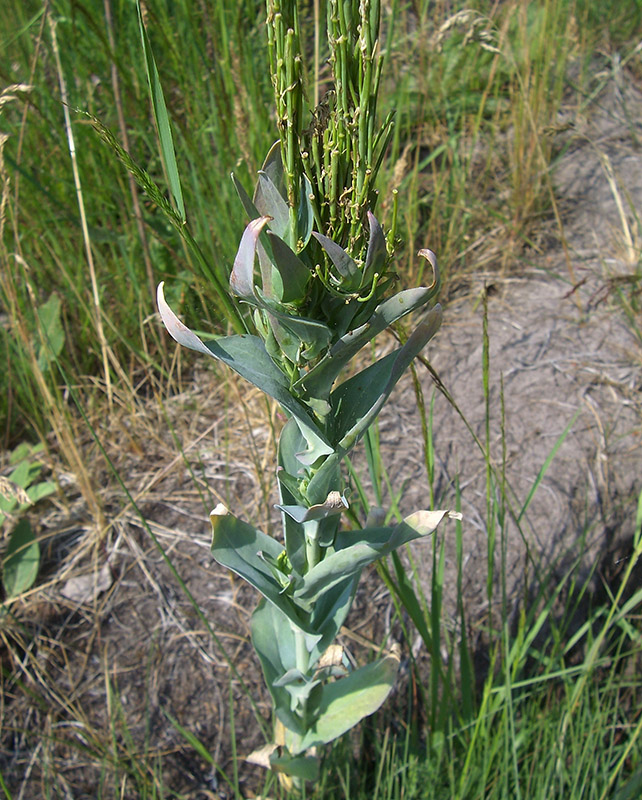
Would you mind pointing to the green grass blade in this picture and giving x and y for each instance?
(3, 786)
(547, 463)
(162, 119)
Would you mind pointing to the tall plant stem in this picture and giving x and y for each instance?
(312, 547)
(83, 217)
(122, 126)
(302, 654)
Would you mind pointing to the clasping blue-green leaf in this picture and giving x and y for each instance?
(357, 402)
(319, 380)
(247, 356)
(237, 545)
(347, 701)
(355, 550)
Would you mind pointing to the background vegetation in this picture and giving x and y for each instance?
(477, 89)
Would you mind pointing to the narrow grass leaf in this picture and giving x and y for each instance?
(544, 468)
(162, 119)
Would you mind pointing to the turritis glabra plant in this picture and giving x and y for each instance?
(315, 271)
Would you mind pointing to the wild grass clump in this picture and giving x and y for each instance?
(475, 98)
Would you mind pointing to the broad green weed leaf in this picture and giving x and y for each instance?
(23, 451)
(41, 490)
(20, 565)
(347, 701)
(25, 473)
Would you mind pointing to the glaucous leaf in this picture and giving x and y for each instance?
(314, 336)
(355, 550)
(247, 356)
(250, 209)
(345, 265)
(292, 271)
(357, 402)
(347, 701)
(236, 545)
(290, 443)
(275, 645)
(319, 380)
(329, 613)
(334, 504)
(269, 202)
(242, 277)
(273, 168)
(299, 686)
(376, 254)
(305, 214)
(304, 767)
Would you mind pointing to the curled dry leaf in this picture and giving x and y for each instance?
(333, 657)
(85, 588)
(11, 491)
(261, 757)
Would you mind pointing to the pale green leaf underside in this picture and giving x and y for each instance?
(347, 701)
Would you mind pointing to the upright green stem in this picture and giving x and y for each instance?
(312, 547)
(302, 654)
